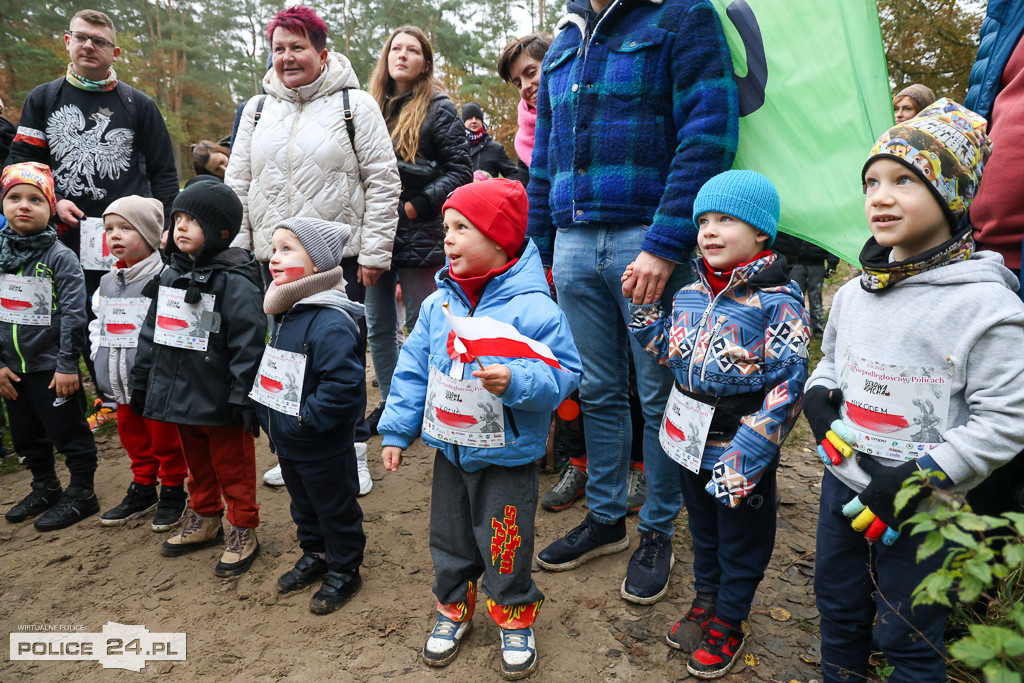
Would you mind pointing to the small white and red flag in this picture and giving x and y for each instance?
(474, 337)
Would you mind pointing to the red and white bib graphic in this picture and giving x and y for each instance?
(462, 412)
(94, 251)
(25, 300)
(278, 384)
(183, 325)
(684, 430)
(121, 320)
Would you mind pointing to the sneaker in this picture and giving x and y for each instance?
(571, 486)
(589, 540)
(307, 570)
(75, 505)
(373, 419)
(101, 414)
(273, 476)
(647, 575)
(241, 551)
(688, 632)
(636, 488)
(44, 496)
(170, 511)
(518, 653)
(718, 651)
(139, 500)
(337, 589)
(197, 532)
(363, 468)
(443, 643)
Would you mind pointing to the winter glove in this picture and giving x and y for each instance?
(873, 510)
(728, 486)
(137, 403)
(821, 408)
(247, 416)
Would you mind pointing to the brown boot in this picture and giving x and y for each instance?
(241, 551)
(196, 533)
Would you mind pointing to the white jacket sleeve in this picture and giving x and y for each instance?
(94, 325)
(239, 173)
(378, 172)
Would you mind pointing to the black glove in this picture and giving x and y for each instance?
(821, 408)
(137, 403)
(247, 416)
(874, 509)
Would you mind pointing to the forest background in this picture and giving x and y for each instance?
(198, 60)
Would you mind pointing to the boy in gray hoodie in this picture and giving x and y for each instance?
(916, 375)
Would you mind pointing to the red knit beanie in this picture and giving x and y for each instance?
(497, 208)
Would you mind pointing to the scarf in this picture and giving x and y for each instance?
(17, 250)
(107, 84)
(880, 273)
(280, 298)
(474, 286)
(718, 280)
(475, 138)
(525, 134)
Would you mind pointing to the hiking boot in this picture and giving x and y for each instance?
(363, 468)
(373, 419)
(443, 643)
(571, 486)
(170, 511)
(337, 589)
(75, 505)
(197, 532)
(688, 632)
(44, 495)
(308, 569)
(718, 651)
(241, 551)
(647, 575)
(518, 653)
(636, 488)
(589, 540)
(273, 476)
(101, 414)
(139, 500)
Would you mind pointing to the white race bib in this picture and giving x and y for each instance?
(462, 412)
(25, 300)
(896, 411)
(122, 321)
(182, 325)
(279, 382)
(684, 431)
(93, 251)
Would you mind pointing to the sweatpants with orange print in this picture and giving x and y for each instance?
(482, 525)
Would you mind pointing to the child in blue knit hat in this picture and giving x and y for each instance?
(736, 342)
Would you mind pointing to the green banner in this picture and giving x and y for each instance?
(814, 96)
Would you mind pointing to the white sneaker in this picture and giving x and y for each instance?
(518, 653)
(273, 477)
(363, 468)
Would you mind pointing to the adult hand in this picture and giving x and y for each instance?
(495, 378)
(66, 383)
(410, 211)
(874, 509)
(821, 408)
(392, 457)
(69, 213)
(7, 389)
(646, 282)
(368, 276)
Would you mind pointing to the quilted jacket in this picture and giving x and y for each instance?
(299, 162)
(1002, 28)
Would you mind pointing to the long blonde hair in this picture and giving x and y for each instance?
(405, 130)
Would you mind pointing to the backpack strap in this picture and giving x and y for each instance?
(350, 125)
(128, 100)
(52, 91)
(259, 110)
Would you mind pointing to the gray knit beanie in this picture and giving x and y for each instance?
(145, 215)
(324, 241)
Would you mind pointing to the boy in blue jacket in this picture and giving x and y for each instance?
(489, 424)
(736, 343)
(309, 385)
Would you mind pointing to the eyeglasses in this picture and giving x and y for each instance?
(97, 42)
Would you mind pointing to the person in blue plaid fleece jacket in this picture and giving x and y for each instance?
(637, 109)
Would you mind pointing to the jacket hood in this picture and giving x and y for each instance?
(767, 272)
(336, 299)
(146, 268)
(525, 277)
(983, 266)
(337, 75)
(233, 258)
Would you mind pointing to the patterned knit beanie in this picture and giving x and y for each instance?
(324, 241)
(30, 173)
(921, 94)
(746, 195)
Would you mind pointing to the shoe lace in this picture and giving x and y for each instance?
(648, 551)
(515, 640)
(192, 523)
(578, 531)
(237, 539)
(445, 628)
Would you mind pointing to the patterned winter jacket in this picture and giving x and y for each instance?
(746, 347)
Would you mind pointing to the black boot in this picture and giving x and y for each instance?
(307, 570)
(75, 505)
(44, 496)
(373, 419)
(337, 589)
(139, 500)
(170, 511)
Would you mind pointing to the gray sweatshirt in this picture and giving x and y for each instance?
(962, 322)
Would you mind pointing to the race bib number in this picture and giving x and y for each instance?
(278, 384)
(462, 412)
(684, 430)
(25, 300)
(182, 325)
(94, 252)
(895, 411)
(122, 321)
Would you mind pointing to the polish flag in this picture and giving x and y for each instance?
(489, 337)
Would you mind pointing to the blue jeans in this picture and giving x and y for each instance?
(382, 316)
(848, 598)
(588, 263)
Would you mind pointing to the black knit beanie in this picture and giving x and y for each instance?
(470, 110)
(218, 211)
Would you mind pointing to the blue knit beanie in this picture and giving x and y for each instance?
(746, 195)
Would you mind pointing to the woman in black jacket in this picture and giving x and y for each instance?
(433, 160)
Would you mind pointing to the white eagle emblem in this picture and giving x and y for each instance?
(81, 155)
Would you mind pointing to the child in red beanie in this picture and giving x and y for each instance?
(484, 400)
